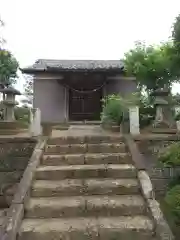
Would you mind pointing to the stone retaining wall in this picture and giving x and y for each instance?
(161, 177)
(14, 156)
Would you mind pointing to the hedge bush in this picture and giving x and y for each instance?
(170, 157)
(22, 114)
(177, 116)
(172, 199)
(112, 110)
(146, 115)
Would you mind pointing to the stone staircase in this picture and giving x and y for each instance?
(86, 188)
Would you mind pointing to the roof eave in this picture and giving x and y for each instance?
(53, 70)
(31, 70)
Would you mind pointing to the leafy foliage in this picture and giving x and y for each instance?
(176, 32)
(171, 156)
(147, 111)
(177, 116)
(8, 64)
(8, 67)
(173, 182)
(153, 66)
(115, 107)
(22, 114)
(176, 41)
(1, 38)
(28, 86)
(112, 110)
(172, 199)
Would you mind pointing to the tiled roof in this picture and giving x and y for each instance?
(74, 65)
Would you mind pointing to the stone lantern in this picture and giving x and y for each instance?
(164, 113)
(9, 102)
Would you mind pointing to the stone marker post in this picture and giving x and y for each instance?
(134, 120)
(35, 122)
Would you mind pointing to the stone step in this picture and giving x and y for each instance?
(74, 187)
(136, 228)
(89, 158)
(86, 148)
(86, 171)
(85, 139)
(78, 206)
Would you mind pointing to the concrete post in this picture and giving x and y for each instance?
(35, 122)
(134, 120)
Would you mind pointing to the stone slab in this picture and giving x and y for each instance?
(138, 228)
(85, 171)
(74, 187)
(67, 187)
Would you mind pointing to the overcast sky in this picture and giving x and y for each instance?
(83, 29)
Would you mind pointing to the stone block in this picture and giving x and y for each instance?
(90, 171)
(55, 207)
(146, 185)
(77, 148)
(57, 149)
(74, 159)
(137, 228)
(115, 205)
(111, 186)
(68, 159)
(93, 148)
(121, 171)
(67, 187)
(43, 229)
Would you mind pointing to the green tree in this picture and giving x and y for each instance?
(153, 66)
(8, 68)
(176, 32)
(1, 38)
(28, 87)
(8, 64)
(176, 42)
